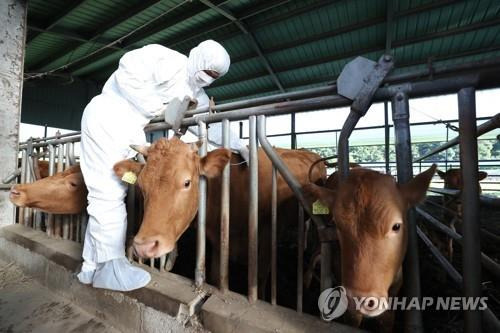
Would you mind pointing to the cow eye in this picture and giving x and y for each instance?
(187, 183)
(396, 227)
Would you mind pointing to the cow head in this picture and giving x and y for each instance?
(453, 178)
(369, 209)
(63, 193)
(169, 183)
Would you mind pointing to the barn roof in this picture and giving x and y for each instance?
(275, 45)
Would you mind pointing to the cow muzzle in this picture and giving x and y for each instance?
(151, 247)
(15, 196)
(368, 305)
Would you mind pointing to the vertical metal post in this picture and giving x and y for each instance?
(300, 258)
(66, 218)
(293, 136)
(27, 217)
(59, 168)
(24, 158)
(253, 212)
(52, 163)
(387, 138)
(446, 151)
(411, 269)
(199, 273)
(274, 224)
(13, 32)
(224, 214)
(471, 257)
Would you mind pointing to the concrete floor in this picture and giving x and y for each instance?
(27, 306)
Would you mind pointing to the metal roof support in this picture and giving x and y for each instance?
(73, 4)
(13, 32)
(173, 43)
(253, 40)
(342, 30)
(69, 35)
(97, 34)
(374, 48)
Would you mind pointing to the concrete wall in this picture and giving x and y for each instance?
(12, 40)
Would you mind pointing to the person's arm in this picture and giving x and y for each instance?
(141, 71)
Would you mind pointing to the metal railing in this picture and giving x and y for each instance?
(59, 152)
(256, 113)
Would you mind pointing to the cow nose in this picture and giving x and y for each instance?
(145, 248)
(14, 191)
(373, 306)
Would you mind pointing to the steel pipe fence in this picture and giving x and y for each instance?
(60, 151)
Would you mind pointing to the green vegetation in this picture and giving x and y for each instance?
(487, 149)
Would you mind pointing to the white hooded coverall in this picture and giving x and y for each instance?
(146, 80)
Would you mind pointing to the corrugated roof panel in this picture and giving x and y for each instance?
(45, 10)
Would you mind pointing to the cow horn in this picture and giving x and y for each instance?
(140, 149)
(196, 145)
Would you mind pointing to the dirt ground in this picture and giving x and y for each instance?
(27, 306)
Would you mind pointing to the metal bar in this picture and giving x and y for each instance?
(29, 178)
(483, 199)
(274, 225)
(66, 219)
(326, 250)
(452, 272)
(53, 142)
(387, 135)
(202, 212)
(58, 218)
(416, 89)
(51, 137)
(343, 145)
(253, 212)
(411, 269)
(52, 162)
(253, 40)
(492, 323)
(225, 213)
(319, 91)
(470, 204)
(24, 157)
(300, 258)
(73, 5)
(486, 127)
(487, 262)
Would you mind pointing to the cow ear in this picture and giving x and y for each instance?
(314, 192)
(212, 164)
(127, 165)
(414, 191)
(441, 174)
(482, 175)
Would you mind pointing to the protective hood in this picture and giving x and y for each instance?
(208, 55)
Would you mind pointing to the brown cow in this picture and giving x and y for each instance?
(169, 182)
(369, 210)
(452, 209)
(62, 193)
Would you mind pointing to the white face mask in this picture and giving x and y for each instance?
(202, 79)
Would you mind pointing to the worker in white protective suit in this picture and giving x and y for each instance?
(146, 80)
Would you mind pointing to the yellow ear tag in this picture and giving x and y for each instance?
(129, 177)
(319, 209)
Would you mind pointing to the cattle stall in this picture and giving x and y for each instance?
(460, 79)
